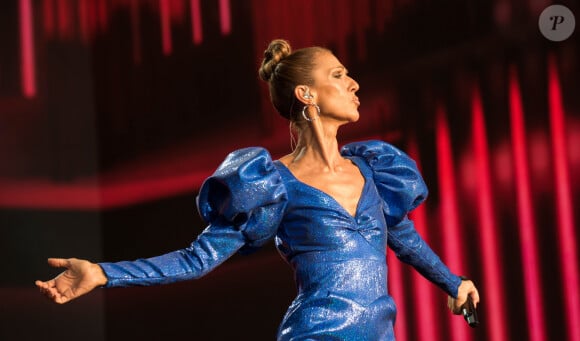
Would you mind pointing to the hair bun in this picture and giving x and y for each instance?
(277, 50)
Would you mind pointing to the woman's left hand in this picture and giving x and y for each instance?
(466, 288)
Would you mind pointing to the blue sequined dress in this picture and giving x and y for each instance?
(338, 259)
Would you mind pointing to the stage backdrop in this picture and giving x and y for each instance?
(112, 112)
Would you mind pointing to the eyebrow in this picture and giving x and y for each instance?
(339, 67)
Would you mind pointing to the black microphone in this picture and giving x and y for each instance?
(469, 313)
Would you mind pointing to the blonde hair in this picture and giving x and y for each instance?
(284, 69)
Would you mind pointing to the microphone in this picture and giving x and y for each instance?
(469, 313)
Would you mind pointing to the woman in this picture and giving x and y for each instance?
(332, 213)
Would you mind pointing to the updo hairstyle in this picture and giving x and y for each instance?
(284, 70)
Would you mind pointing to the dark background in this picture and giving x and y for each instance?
(131, 105)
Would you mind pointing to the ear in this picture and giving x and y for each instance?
(303, 93)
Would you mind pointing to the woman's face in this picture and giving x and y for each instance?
(333, 90)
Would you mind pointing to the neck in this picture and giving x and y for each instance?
(317, 145)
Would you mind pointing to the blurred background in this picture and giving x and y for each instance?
(113, 112)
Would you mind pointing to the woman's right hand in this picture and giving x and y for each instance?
(79, 278)
(466, 288)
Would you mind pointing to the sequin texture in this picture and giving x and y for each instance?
(338, 259)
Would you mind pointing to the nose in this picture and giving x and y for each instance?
(354, 86)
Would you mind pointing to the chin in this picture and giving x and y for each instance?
(355, 117)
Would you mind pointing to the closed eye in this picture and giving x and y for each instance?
(339, 72)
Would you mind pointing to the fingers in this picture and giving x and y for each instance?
(44, 285)
(62, 288)
(47, 289)
(61, 299)
(59, 262)
(457, 307)
(50, 291)
(78, 279)
(452, 304)
(471, 291)
(466, 290)
(474, 296)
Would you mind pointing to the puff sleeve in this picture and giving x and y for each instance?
(242, 202)
(402, 189)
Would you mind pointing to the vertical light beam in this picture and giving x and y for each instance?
(102, 15)
(528, 238)
(397, 291)
(165, 20)
(64, 15)
(423, 290)
(27, 67)
(492, 268)
(83, 17)
(196, 26)
(564, 213)
(136, 31)
(225, 17)
(48, 18)
(452, 242)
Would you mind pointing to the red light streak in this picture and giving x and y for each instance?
(452, 245)
(196, 26)
(93, 194)
(84, 27)
(541, 164)
(102, 15)
(423, 290)
(503, 168)
(528, 239)
(384, 12)
(64, 19)
(135, 31)
(92, 17)
(177, 10)
(48, 16)
(165, 19)
(574, 145)
(225, 17)
(27, 67)
(492, 292)
(564, 212)
(397, 291)
(468, 176)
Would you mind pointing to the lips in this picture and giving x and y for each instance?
(356, 101)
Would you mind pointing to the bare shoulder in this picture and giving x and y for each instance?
(286, 160)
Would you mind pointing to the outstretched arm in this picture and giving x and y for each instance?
(243, 202)
(79, 278)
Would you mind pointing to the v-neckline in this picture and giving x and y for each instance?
(318, 190)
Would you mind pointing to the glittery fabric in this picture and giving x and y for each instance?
(338, 259)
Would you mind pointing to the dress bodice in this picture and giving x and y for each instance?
(315, 222)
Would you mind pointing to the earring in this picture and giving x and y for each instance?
(304, 111)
